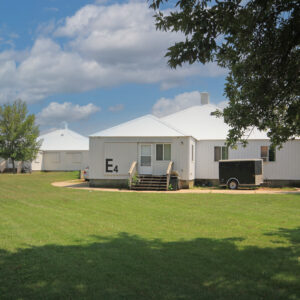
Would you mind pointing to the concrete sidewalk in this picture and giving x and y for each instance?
(83, 185)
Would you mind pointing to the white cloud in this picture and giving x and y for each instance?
(116, 108)
(166, 106)
(103, 46)
(46, 28)
(56, 113)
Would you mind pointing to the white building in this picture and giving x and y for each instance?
(193, 140)
(62, 150)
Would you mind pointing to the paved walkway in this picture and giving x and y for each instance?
(82, 185)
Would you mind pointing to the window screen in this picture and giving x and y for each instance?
(159, 152)
(167, 152)
(272, 154)
(264, 153)
(163, 151)
(146, 161)
(217, 153)
(146, 150)
(224, 152)
(146, 155)
(220, 153)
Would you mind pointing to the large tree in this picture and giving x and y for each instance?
(258, 41)
(18, 133)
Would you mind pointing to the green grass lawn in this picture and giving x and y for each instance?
(59, 243)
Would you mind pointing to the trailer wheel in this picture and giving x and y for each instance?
(233, 184)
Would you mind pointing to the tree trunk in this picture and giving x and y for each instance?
(13, 163)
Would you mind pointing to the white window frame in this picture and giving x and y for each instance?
(267, 158)
(222, 158)
(163, 152)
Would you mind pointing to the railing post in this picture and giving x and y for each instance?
(168, 173)
(131, 171)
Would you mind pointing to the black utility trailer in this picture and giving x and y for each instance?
(240, 172)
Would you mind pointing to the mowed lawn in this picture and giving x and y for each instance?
(58, 243)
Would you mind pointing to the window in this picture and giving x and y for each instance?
(272, 154)
(163, 151)
(264, 153)
(167, 152)
(159, 152)
(221, 153)
(146, 155)
(267, 153)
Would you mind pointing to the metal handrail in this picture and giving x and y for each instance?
(131, 172)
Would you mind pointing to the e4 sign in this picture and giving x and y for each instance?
(109, 166)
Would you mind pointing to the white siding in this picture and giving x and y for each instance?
(206, 167)
(286, 166)
(287, 163)
(125, 150)
(64, 160)
(192, 158)
(117, 152)
(37, 163)
(56, 161)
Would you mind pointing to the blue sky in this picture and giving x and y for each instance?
(94, 63)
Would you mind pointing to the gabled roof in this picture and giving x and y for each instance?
(198, 122)
(64, 139)
(146, 126)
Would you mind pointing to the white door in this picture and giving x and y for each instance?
(145, 159)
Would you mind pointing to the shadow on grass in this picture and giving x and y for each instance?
(130, 267)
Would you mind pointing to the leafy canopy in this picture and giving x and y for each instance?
(259, 43)
(18, 133)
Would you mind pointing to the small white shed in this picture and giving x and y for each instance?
(62, 150)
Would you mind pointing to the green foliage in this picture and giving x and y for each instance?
(259, 43)
(135, 179)
(18, 133)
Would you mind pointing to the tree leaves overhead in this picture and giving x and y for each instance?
(259, 43)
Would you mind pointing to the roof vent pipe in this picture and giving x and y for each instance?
(204, 98)
(65, 124)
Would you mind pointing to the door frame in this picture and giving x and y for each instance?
(147, 170)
